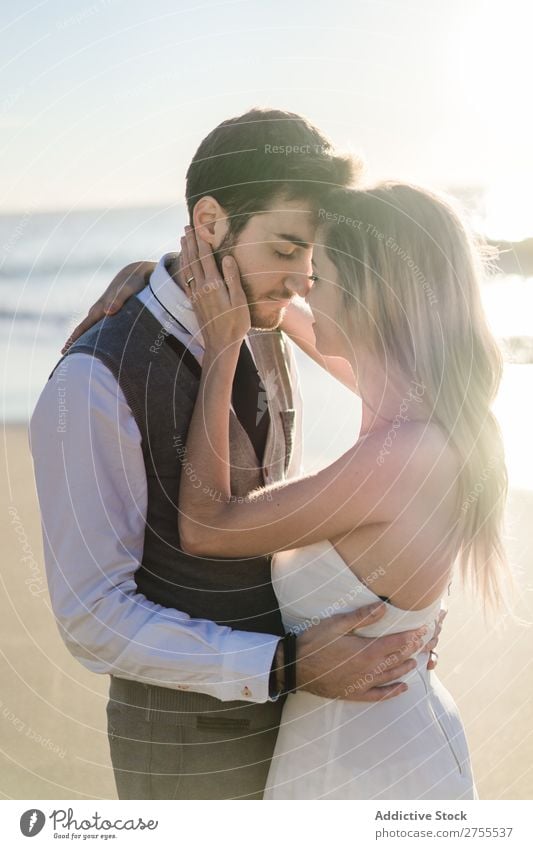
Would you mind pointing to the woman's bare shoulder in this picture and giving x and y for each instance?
(416, 452)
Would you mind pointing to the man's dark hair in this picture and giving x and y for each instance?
(248, 161)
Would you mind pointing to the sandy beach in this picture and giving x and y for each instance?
(52, 711)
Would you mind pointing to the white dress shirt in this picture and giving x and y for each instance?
(83, 436)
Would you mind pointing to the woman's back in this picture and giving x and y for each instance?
(409, 559)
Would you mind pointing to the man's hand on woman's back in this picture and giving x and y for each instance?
(336, 663)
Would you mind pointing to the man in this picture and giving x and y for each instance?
(194, 647)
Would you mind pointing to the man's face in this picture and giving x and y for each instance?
(273, 253)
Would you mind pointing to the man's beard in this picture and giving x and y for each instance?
(258, 321)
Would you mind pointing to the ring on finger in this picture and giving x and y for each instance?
(189, 281)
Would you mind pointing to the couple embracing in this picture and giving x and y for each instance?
(267, 633)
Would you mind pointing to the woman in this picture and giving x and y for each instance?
(396, 295)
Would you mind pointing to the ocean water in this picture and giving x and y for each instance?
(54, 265)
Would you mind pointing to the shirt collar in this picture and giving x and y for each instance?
(172, 297)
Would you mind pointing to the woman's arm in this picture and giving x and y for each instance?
(357, 489)
(298, 324)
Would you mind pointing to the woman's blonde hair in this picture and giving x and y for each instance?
(410, 272)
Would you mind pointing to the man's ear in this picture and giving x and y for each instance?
(210, 221)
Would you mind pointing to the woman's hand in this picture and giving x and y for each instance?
(219, 300)
(130, 280)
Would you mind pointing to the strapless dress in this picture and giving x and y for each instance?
(412, 746)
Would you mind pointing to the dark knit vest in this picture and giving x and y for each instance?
(160, 389)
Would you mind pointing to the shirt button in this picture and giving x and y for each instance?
(246, 692)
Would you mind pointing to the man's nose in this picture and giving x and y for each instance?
(299, 284)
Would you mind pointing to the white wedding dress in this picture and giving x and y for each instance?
(412, 746)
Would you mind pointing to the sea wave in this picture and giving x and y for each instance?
(57, 267)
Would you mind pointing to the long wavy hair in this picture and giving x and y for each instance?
(410, 273)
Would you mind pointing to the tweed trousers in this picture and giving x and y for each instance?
(171, 744)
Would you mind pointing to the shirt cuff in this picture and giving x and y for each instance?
(248, 659)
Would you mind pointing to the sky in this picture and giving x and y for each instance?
(103, 103)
